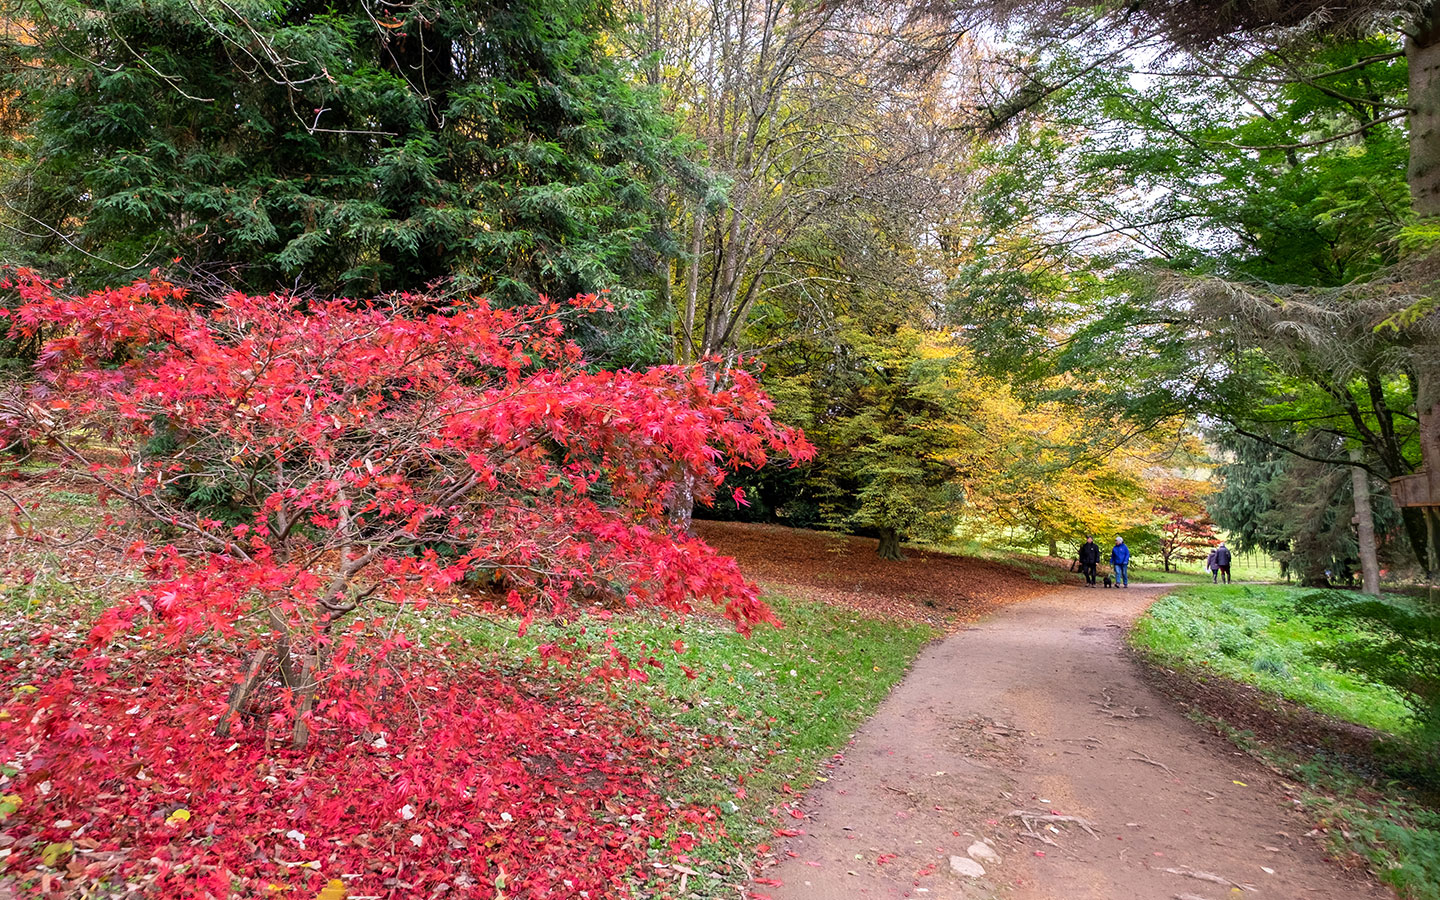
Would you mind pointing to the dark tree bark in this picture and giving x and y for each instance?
(1422, 52)
(889, 547)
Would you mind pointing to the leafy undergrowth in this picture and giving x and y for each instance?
(1253, 634)
(1354, 658)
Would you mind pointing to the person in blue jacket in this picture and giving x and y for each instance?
(1120, 560)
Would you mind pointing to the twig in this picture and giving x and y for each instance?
(1140, 757)
(1039, 837)
(1211, 877)
(1108, 706)
(1030, 817)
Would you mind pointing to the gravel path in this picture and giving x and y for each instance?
(1038, 709)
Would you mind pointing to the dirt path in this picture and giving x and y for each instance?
(1037, 708)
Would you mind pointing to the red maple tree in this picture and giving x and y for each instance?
(322, 469)
(1184, 528)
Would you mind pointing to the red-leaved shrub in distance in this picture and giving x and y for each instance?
(319, 469)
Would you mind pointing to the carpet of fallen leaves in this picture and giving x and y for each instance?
(487, 787)
(939, 589)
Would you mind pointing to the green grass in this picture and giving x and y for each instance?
(784, 700)
(1249, 633)
(1397, 835)
(1028, 565)
(1334, 652)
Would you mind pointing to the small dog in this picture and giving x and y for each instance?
(1109, 582)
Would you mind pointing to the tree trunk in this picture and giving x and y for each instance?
(1427, 405)
(1054, 548)
(1432, 532)
(1416, 529)
(305, 700)
(692, 287)
(240, 693)
(1422, 52)
(682, 504)
(1369, 565)
(889, 545)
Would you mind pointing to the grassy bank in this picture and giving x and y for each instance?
(1359, 660)
(781, 701)
(1253, 634)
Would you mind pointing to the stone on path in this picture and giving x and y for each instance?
(966, 866)
(983, 852)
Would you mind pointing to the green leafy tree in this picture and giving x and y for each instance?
(886, 406)
(1226, 247)
(896, 457)
(1295, 509)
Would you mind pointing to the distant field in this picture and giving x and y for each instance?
(1250, 567)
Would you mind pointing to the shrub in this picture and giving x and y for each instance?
(1383, 642)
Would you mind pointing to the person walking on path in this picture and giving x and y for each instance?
(1212, 566)
(1120, 560)
(1222, 561)
(1089, 559)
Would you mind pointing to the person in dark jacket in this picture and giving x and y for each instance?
(1222, 561)
(1120, 560)
(1089, 559)
(1212, 566)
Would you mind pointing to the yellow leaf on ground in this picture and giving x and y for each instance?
(54, 853)
(333, 890)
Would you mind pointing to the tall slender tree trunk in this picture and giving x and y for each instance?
(692, 285)
(1422, 52)
(1369, 564)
